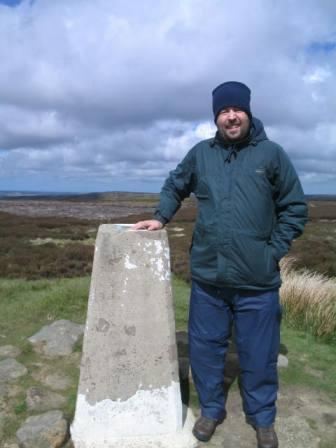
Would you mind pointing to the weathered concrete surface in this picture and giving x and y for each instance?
(129, 391)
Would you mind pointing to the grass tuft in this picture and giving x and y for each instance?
(309, 301)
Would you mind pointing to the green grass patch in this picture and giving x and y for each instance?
(311, 363)
(181, 293)
(28, 305)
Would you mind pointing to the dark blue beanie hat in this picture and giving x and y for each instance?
(231, 94)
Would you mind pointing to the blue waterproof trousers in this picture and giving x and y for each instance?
(256, 317)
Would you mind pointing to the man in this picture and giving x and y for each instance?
(250, 208)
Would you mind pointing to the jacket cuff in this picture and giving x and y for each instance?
(159, 217)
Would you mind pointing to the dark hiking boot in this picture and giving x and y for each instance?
(204, 428)
(266, 437)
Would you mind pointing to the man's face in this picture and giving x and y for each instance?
(233, 124)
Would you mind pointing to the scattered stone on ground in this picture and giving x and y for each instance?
(305, 416)
(10, 369)
(2, 422)
(3, 391)
(47, 430)
(57, 339)
(282, 361)
(56, 381)
(39, 400)
(9, 351)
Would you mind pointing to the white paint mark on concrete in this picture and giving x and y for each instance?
(148, 412)
(128, 264)
(158, 247)
(180, 439)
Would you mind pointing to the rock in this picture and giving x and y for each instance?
(282, 361)
(2, 423)
(47, 430)
(57, 339)
(3, 391)
(9, 351)
(40, 400)
(329, 418)
(10, 369)
(57, 382)
(11, 445)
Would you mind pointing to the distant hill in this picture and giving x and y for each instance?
(111, 196)
(321, 197)
(102, 196)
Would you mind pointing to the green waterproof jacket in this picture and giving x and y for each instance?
(250, 208)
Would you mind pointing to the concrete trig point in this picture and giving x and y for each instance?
(129, 391)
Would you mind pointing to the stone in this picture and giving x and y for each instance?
(9, 351)
(3, 391)
(40, 400)
(329, 418)
(10, 369)
(2, 422)
(57, 339)
(57, 382)
(129, 391)
(282, 361)
(47, 430)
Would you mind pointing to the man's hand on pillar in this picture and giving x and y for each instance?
(151, 224)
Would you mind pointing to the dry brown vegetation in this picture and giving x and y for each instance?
(40, 247)
(309, 300)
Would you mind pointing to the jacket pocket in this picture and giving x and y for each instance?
(271, 261)
(252, 261)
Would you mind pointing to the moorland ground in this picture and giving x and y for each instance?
(46, 260)
(41, 238)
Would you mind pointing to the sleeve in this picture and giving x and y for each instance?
(290, 206)
(177, 187)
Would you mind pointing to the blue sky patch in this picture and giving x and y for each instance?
(325, 47)
(10, 2)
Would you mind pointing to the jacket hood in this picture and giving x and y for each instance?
(257, 131)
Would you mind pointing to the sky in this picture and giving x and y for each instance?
(110, 95)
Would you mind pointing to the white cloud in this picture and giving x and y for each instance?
(99, 90)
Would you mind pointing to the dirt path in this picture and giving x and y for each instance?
(306, 419)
